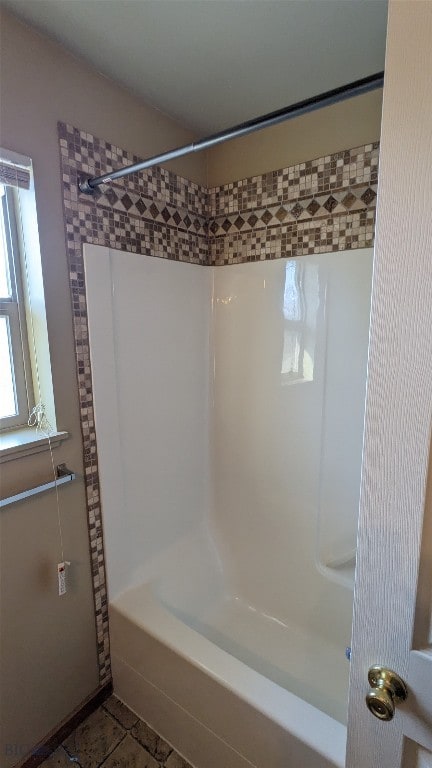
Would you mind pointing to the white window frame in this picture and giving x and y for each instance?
(13, 308)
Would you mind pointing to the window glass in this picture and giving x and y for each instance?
(5, 286)
(16, 389)
(8, 405)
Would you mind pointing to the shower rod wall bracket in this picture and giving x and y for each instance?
(357, 88)
(85, 187)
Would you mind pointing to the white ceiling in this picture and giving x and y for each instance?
(213, 63)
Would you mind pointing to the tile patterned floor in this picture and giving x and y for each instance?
(114, 737)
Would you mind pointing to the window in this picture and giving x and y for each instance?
(16, 388)
(25, 365)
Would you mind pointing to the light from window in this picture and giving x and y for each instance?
(5, 285)
(300, 308)
(7, 384)
(16, 388)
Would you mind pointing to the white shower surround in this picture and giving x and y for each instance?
(228, 487)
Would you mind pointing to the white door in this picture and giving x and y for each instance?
(393, 595)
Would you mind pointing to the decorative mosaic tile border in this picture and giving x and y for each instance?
(153, 210)
(325, 204)
(351, 167)
(328, 202)
(319, 206)
(91, 156)
(354, 230)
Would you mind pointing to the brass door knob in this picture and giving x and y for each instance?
(387, 690)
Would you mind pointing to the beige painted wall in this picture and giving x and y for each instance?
(48, 643)
(348, 124)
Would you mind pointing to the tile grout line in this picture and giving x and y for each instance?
(113, 750)
(128, 731)
(101, 707)
(119, 721)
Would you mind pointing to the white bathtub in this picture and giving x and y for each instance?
(217, 711)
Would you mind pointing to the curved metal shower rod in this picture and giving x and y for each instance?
(326, 99)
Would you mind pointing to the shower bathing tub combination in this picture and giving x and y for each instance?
(229, 409)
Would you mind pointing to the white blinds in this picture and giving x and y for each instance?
(14, 175)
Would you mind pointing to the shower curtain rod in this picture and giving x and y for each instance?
(326, 99)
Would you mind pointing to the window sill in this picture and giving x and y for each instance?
(17, 443)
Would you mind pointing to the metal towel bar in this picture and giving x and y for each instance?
(64, 475)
